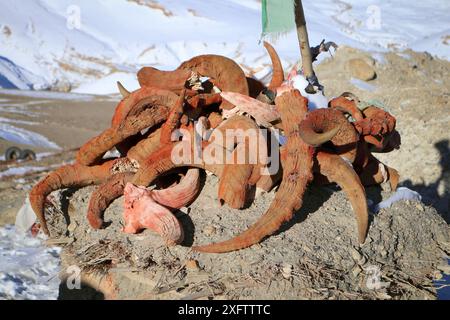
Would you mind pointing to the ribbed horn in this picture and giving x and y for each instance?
(313, 138)
(278, 73)
(338, 170)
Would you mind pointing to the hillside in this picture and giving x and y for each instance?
(87, 47)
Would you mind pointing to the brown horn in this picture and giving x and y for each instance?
(225, 73)
(140, 99)
(170, 80)
(351, 95)
(92, 152)
(347, 106)
(338, 170)
(104, 195)
(311, 137)
(64, 177)
(278, 73)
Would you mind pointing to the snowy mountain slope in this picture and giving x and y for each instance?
(92, 43)
(15, 77)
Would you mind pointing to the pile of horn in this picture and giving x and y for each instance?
(211, 94)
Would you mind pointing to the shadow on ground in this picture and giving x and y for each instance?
(86, 292)
(430, 192)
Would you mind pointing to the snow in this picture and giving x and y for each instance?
(21, 171)
(42, 155)
(128, 80)
(17, 121)
(401, 194)
(28, 270)
(46, 95)
(315, 101)
(14, 77)
(23, 136)
(362, 85)
(443, 286)
(379, 57)
(93, 43)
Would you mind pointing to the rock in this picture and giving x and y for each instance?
(360, 69)
(420, 207)
(362, 261)
(355, 254)
(356, 271)
(192, 265)
(197, 277)
(306, 249)
(6, 31)
(5, 184)
(437, 275)
(72, 227)
(236, 269)
(209, 230)
(286, 270)
(185, 210)
(369, 60)
(259, 193)
(445, 268)
(386, 187)
(61, 86)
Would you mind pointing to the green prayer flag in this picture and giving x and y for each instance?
(277, 17)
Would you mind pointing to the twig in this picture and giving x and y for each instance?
(203, 294)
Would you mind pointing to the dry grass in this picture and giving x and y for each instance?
(153, 5)
(101, 256)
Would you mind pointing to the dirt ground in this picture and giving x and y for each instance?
(68, 123)
(316, 256)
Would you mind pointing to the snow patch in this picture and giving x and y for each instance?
(28, 269)
(21, 171)
(401, 194)
(15, 77)
(23, 136)
(379, 57)
(108, 84)
(362, 85)
(315, 101)
(48, 95)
